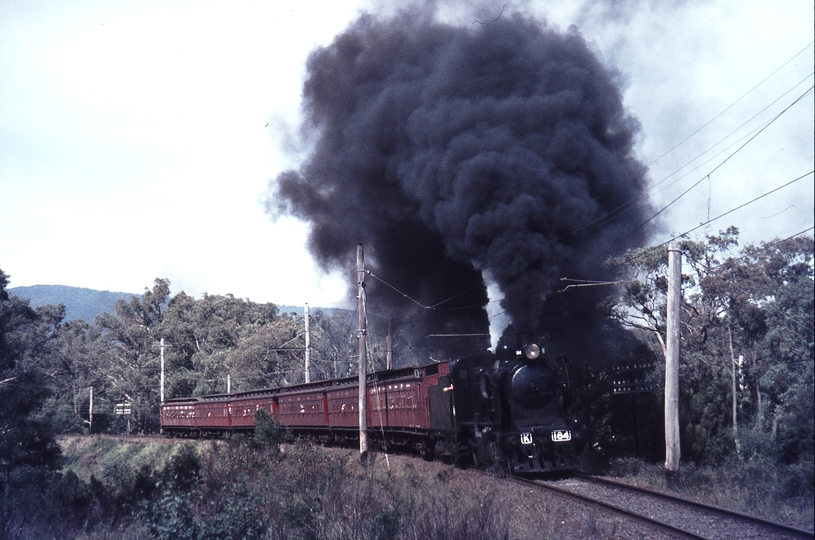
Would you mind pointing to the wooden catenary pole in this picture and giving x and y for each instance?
(308, 347)
(363, 372)
(389, 357)
(672, 450)
(162, 369)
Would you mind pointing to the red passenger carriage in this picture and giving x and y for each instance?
(497, 410)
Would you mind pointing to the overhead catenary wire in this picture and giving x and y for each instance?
(684, 234)
(741, 206)
(624, 207)
(586, 283)
(405, 295)
(725, 149)
(683, 141)
(777, 213)
(717, 167)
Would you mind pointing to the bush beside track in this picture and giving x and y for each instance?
(144, 487)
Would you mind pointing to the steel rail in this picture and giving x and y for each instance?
(702, 506)
(664, 527)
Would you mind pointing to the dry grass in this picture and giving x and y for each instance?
(243, 489)
(778, 493)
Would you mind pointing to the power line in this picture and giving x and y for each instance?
(728, 212)
(741, 206)
(434, 306)
(717, 167)
(776, 100)
(683, 141)
(626, 206)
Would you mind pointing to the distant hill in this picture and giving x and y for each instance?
(86, 304)
(79, 303)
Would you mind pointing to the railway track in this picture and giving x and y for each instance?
(673, 516)
(122, 438)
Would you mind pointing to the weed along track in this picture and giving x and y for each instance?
(671, 515)
(420, 498)
(721, 516)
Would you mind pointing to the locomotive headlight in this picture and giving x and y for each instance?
(531, 351)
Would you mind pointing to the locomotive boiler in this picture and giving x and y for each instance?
(512, 409)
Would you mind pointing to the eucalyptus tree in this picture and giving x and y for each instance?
(747, 345)
(128, 359)
(28, 451)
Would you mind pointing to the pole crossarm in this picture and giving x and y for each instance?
(586, 283)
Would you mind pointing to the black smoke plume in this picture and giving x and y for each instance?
(452, 151)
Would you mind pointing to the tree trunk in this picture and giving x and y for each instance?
(733, 393)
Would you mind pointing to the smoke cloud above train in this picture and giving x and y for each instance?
(453, 153)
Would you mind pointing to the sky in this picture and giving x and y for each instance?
(138, 139)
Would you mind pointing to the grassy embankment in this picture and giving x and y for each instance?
(246, 488)
(105, 458)
(254, 489)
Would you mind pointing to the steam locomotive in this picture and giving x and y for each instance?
(505, 410)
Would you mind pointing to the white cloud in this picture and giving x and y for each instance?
(133, 138)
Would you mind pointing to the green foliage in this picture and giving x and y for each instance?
(116, 357)
(29, 454)
(269, 434)
(756, 304)
(216, 489)
(220, 336)
(184, 468)
(239, 488)
(118, 354)
(234, 490)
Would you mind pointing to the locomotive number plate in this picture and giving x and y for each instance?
(560, 435)
(526, 438)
